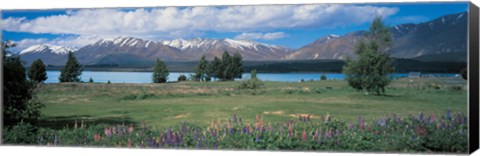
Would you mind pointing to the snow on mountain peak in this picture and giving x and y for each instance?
(47, 48)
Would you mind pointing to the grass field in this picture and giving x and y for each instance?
(165, 105)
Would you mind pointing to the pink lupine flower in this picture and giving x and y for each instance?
(130, 129)
(107, 131)
(96, 137)
(304, 135)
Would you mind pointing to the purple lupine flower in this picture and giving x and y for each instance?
(449, 115)
(185, 128)
(215, 146)
(443, 125)
(257, 138)
(150, 142)
(420, 117)
(195, 134)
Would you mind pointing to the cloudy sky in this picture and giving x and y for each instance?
(288, 25)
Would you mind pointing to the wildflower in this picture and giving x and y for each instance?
(96, 137)
(215, 146)
(257, 138)
(420, 117)
(449, 115)
(308, 117)
(350, 126)
(114, 130)
(235, 118)
(130, 129)
(290, 131)
(304, 135)
(362, 124)
(432, 118)
(195, 134)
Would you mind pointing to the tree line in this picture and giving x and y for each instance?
(226, 68)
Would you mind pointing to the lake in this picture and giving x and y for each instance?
(146, 77)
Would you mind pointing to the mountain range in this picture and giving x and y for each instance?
(442, 39)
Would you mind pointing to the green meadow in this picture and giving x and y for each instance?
(164, 105)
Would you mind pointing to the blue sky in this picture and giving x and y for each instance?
(293, 26)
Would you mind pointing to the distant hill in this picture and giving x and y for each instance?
(434, 40)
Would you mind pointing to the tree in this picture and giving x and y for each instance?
(160, 72)
(201, 70)
(37, 72)
(225, 67)
(19, 100)
(236, 66)
(369, 72)
(72, 70)
(214, 69)
(90, 80)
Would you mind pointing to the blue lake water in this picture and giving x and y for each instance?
(146, 77)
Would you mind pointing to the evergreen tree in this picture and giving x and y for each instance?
(37, 72)
(90, 80)
(369, 72)
(201, 70)
(236, 66)
(160, 72)
(214, 69)
(226, 67)
(72, 70)
(19, 101)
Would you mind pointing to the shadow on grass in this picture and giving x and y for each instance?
(60, 122)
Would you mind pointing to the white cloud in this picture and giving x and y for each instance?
(186, 22)
(266, 36)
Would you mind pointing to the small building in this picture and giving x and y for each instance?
(414, 74)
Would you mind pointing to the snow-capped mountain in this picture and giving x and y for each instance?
(45, 48)
(130, 50)
(48, 53)
(436, 39)
(250, 50)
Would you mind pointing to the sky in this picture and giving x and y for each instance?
(292, 26)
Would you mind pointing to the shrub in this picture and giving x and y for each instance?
(253, 83)
(182, 78)
(21, 133)
(323, 77)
